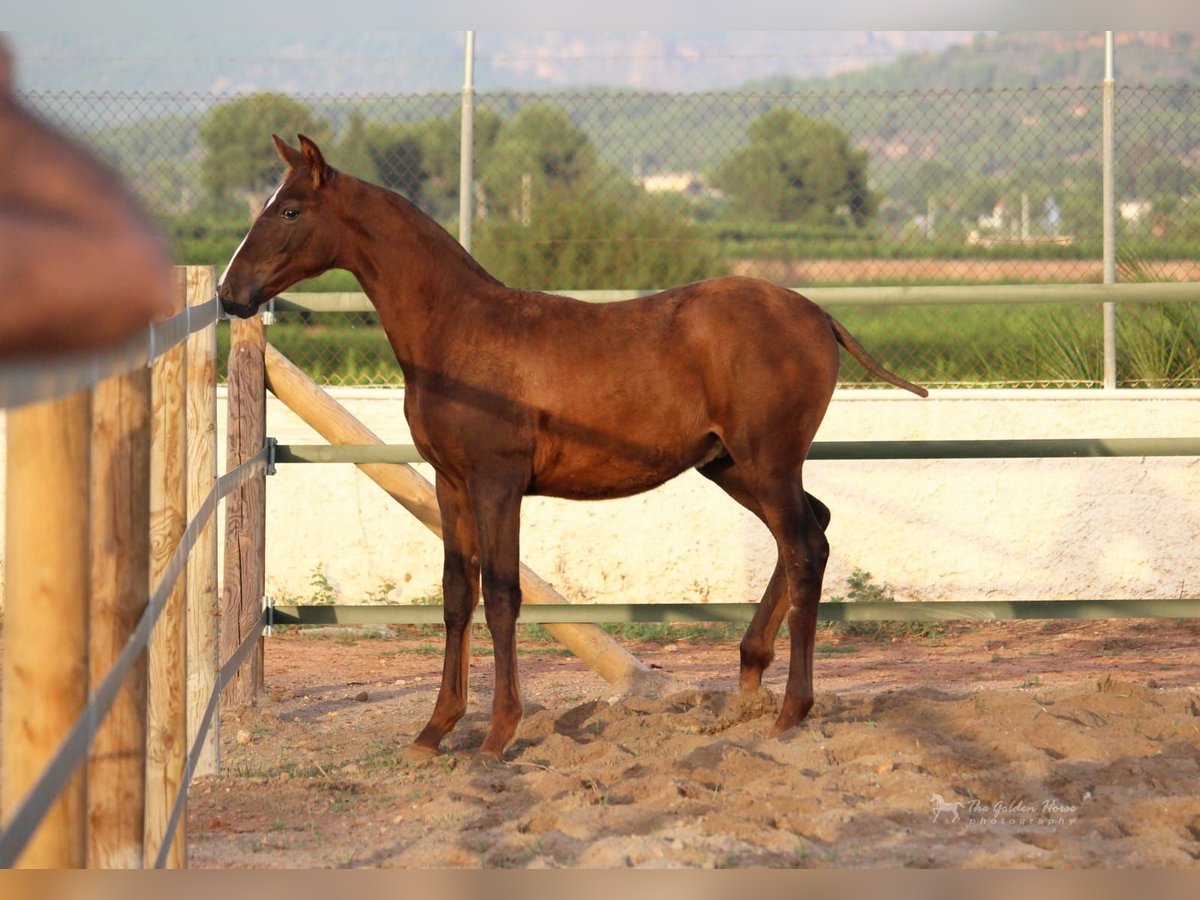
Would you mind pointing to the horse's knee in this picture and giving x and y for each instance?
(501, 603)
(456, 610)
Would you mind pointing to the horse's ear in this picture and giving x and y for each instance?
(290, 155)
(321, 172)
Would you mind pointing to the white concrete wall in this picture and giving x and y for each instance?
(931, 530)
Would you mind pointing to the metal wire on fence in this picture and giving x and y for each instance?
(640, 190)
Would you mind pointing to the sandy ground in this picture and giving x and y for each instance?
(1048, 744)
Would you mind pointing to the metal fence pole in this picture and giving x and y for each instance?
(1109, 213)
(466, 174)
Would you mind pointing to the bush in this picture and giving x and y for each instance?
(589, 241)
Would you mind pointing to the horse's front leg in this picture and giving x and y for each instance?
(460, 590)
(498, 515)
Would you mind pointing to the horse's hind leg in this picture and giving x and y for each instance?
(460, 589)
(758, 644)
(757, 649)
(803, 553)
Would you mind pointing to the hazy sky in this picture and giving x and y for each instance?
(398, 62)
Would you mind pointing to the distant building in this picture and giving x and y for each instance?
(686, 183)
(1020, 226)
(1133, 211)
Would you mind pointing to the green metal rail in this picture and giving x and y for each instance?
(944, 611)
(823, 450)
(954, 295)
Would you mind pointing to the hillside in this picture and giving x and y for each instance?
(1024, 60)
(356, 63)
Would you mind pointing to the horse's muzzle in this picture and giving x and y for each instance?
(232, 307)
(238, 310)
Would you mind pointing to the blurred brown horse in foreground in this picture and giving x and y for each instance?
(80, 264)
(512, 392)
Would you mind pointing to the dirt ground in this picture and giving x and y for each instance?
(1039, 744)
(860, 271)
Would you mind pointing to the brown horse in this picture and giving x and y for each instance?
(512, 392)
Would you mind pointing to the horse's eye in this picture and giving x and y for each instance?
(290, 213)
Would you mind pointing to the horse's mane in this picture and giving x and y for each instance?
(428, 230)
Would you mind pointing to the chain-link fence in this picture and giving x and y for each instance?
(640, 190)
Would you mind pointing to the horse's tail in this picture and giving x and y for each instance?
(855, 349)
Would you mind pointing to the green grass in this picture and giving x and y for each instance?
(884, 631)
(649, 632)
(984, 344)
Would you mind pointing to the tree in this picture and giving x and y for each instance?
(239, 160)
(798, 169)
(399, 160)
(592, 240)
(1164, 178)
(929, 179)
(441, 143)
(423, 160)
(353, 153)
(536, 151)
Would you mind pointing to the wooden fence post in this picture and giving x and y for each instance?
(245, 508)
(45, 620)
(166, 730)
(203, 607)
(120, 572)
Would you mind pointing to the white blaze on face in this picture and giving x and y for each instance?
(275, 195)
(272, 199)
(221, 281)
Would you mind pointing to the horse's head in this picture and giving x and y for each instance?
(293, 238)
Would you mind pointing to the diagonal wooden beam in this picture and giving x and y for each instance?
(414, 492)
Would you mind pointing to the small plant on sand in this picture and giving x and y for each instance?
(382, 593)
(863, 589)
(324, 593)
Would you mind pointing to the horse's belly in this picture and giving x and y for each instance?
(614, 468)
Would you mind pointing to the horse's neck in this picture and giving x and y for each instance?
(410, 267)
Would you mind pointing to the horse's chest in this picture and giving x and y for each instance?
(459, 434)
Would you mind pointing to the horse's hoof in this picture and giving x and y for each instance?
(750, 684)
(486, 760)
(784, 725)
(415, 753)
